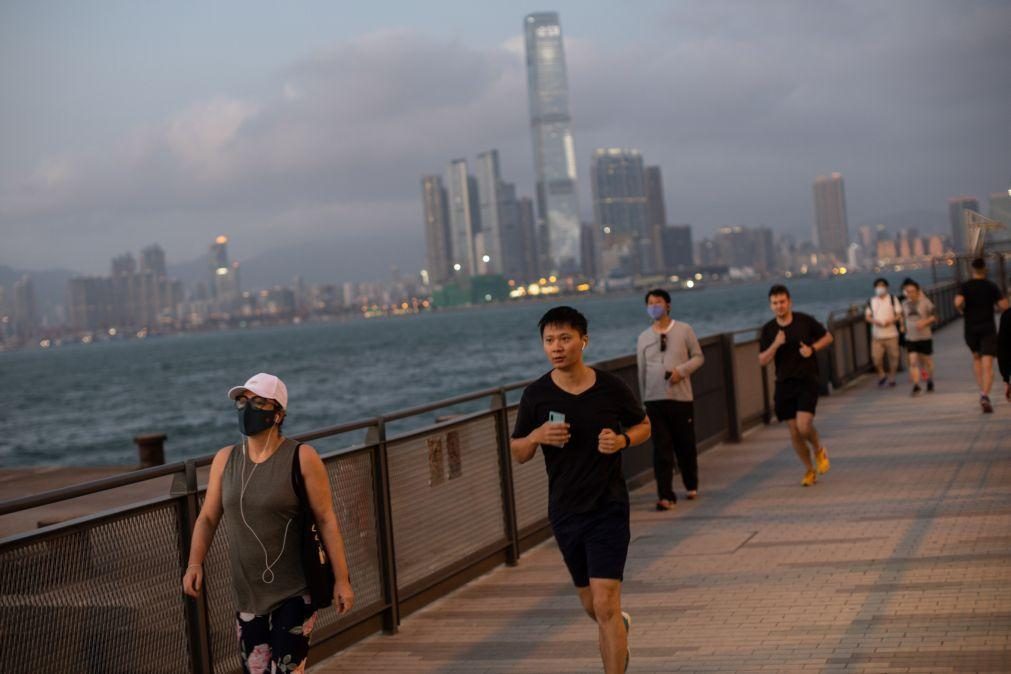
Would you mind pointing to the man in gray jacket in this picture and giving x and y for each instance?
(667, 354)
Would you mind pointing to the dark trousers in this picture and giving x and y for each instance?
(673, 425)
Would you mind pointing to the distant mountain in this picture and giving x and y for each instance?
(323, 261)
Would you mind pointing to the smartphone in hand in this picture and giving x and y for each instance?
(556, 418)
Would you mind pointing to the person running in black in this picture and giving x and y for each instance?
(582, 418)
(791, 339)
(976, 300)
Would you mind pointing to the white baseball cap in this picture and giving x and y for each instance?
(264, 385)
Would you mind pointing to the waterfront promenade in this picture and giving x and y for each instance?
(898, 560)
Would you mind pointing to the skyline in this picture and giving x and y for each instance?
(738, 122)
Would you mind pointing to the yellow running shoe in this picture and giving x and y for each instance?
(810, 477)
(821, 458)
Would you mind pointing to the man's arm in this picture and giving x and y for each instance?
(823, 343)
(609, 442)
(548, 433)
(765, 357)
(695, 357)
(959, 303)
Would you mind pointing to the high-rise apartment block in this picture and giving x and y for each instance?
(830, 215)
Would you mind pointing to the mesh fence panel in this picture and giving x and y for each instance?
(530, 484)
(353, 485)
(710, 395)
(748, 382)
(446, 497)
(102, 597)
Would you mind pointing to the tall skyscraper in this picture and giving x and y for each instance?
(152, 259)
(492, 207)
(437, 233)
(656, 215)
(618, 182)
(528, 238)
(464, 217)
(677, 246)
(830, 215)
(510, 233)
(26, 316)
(619, 207)
(554, 148)
(955, 207)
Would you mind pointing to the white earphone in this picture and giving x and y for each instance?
(268, 570)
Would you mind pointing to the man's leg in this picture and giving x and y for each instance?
(878, 357)
(606, 606)
(684, 443)
(986, 377)
(927, 366)
(799, 443)
(807, 431)
(586, 599)
(663, 449)
(977, 369)
(914, 368)
(892, 345)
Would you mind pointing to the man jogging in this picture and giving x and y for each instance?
(976, 301)
(667, 354)
(884, 313)
(919, 317)
(792, 339)
(582, 418)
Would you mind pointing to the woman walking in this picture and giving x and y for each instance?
(251, 485)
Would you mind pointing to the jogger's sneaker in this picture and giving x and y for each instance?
(882, 382)
(821, 461)
(916, 390)
(627, 620)
(984, 402)
(930, 386)
(810, 477)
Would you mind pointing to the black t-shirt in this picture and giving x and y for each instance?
(580, 478)
(980, 297)
(789, 363)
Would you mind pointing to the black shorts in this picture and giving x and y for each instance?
(795, 395)
(594, 544)
(924, 346)
(981, 339)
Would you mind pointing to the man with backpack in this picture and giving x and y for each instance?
(884, 313)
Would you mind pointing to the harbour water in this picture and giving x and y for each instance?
(81, 405)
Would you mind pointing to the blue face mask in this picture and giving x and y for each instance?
(656, 311)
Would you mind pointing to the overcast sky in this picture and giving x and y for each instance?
(305, 123)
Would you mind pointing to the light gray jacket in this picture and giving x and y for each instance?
(683, 354)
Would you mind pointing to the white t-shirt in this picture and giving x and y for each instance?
(886, 309)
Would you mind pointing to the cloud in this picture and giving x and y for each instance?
(742, 104)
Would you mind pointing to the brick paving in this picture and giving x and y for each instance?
(898, 560)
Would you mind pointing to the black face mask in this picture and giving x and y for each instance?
(253, 421)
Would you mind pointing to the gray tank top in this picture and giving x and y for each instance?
(270, 506)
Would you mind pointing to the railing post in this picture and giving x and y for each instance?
(766, 403)
(384, 519)
(730, 386)
(499, 404)
(198, 627)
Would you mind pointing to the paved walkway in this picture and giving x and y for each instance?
(898, 560)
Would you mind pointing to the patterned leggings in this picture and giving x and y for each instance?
(279, 641)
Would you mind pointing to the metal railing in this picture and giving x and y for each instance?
(422, 512)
